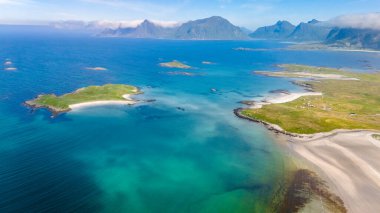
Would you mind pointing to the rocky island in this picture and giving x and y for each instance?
(175, 64)
(87, 96)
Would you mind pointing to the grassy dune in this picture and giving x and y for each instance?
(108, 92)
(345, 104)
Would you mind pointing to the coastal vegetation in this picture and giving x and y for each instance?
(376, 136)
(175, 64)
(58, 104)
(345, 104)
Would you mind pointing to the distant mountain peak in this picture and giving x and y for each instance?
(214, 28)
(311, 31)
(314, 21)
(280, 30)
(147, 22)
(280, 22)
(217, 18)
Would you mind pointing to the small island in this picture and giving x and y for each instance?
(175, 64)
(87, 96)
(191, 74)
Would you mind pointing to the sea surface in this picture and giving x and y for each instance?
(185, 152)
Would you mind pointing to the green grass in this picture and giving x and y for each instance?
(344, 104)
(87, 94)
(310, 69)
(175, 64)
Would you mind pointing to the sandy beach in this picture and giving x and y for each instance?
(282, 98)
(349, 161)
(128, 101)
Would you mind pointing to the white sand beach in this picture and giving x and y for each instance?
(283, 98)
(128, 101)
(349, 160)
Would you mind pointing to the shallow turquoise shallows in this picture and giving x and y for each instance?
(185, 152)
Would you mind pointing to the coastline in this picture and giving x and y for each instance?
(346, 160)
(283, 98)
(128, 101)
(55, 112)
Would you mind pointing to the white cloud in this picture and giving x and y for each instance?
(360, 21)
(15, 2)
(104, 24)
(132, 23)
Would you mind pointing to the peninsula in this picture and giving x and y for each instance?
(175, 64)
(347, 100)
(335, 131)
(87, 96)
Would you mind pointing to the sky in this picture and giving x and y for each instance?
(246, 13)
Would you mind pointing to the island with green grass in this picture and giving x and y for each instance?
(91, 95)
(175, 64)
(349, 100)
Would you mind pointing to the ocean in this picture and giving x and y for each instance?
(184, 152)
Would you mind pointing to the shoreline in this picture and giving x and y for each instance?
(283, 98)
(55, 112)
(128, 101)
(347, 161)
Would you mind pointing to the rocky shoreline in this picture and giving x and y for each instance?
(272, 127)
(54, 111)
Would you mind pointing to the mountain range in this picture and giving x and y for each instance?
(321, 32)
(213, 28)
(218, 28)
(354, 38)
(280, 30)
(313, 30)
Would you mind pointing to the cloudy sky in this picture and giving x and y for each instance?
(247, 13)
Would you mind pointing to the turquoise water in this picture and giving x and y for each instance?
(152, 157)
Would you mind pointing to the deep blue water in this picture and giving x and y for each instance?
(150, 157)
